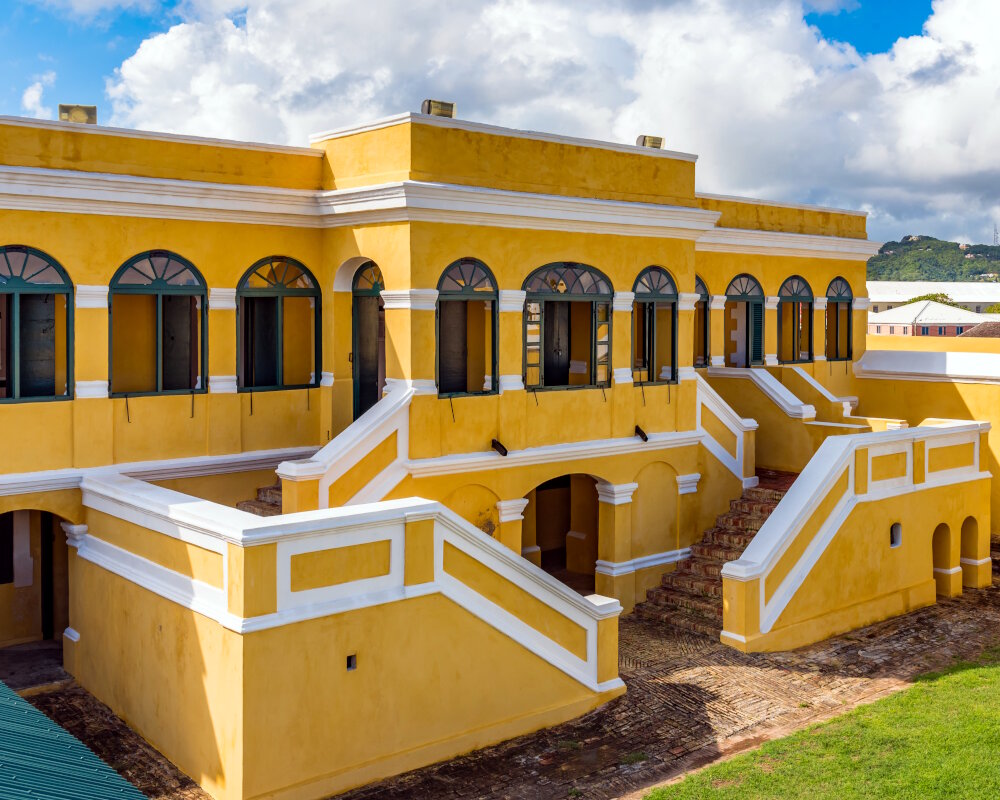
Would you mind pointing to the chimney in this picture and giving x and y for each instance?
(69, 112)
(656, 142)
(438, 108)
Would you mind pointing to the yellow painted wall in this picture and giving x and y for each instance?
(133, 343)
(226, 488)
(767, 217)
(425, 704)
(21, 606)
(174, 676)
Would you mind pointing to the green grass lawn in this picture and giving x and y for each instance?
(937, 739)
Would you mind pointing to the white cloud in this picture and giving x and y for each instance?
(31, 99)
(772, 107)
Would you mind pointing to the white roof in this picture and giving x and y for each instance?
(959, 291)
(927, 312)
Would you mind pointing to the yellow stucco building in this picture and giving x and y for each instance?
(329, 462)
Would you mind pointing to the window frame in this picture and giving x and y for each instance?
(280, 292)
(541, 297)
(468, 294)
(836, 298)
(159, 289)
(649, 301)
(21, 287)
(797, 298)
(750, 298)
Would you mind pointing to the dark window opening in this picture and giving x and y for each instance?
(839, 336)
(466, 329)
(795, 321)
(702, 323)
(654, 327)
(7, 547)
(368, 321)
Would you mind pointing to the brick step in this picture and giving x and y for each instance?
(270, 494)
(706, 567)
(685, 622)
(708, 607)
(726, 537)
(740, 522)
(760, 494)
(717, 551)
(259, 508)
(744, 505)
(693, 584)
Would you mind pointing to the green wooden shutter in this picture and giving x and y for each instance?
(756, 333)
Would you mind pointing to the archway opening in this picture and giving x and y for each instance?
(945, 564)
(744, 322)
(34, 595)
(368, 351)
(561, 523)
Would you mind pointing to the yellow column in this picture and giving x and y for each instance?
(410, 338)
(511, 521)
(93, 421)
(252, 579)
(685, 329)
(717, 330)
(224, 414)
(337, 356)
(819, 329)
(859, 319)
(511, 428)
(771, 331)
(622, 397)
(615, 574)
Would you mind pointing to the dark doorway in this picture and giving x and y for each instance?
(557, 343)
(37, 336)
(260, 337)
(180, 342)
(368, 352)
(453, 325)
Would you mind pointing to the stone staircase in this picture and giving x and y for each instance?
(690, 597)
(267, 502)
(995, 553)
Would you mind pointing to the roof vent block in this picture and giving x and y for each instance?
(438, 108)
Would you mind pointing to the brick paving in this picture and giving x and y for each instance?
(691, 700)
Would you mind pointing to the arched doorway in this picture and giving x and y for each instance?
(701, 323)
(368, 351)
(561, 521)
(744, 345)
(34, 584)
(947, 572)
(795, 321)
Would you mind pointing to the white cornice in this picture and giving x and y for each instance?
(728, 198)
(622, 301)
(412, 299)
(775, 243)
(511, 510)
(512, 300)
(221, 299)
(688, 484)
(819, 303)
(617, 568)
(616, 494)
(495, 130)
(92, 297)
(128, 133)
(87, 390)
(686, 301)
(222, 384)
(73, 192)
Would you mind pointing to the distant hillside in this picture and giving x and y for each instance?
(924, 258)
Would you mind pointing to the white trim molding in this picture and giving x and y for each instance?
(494, 130)
(819, 303)
(512, 300)
(770, 359)
(686, 301)
(775, 243)
(74, 533)
(717, 361)
(771, 303)
(221, 299)
(222, 384)
(933, 367)
(771, 387)
(717, 302)
(512, 510)
(511, 383)
(860, 304)
(688, 484)
(622, 301)
(92, 297)
(90, 390)
(615, 569)
(326, 379)
(412, 299)
(615, 494)
(72, 634)
(620, 375)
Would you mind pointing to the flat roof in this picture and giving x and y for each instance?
(728, 198)
(959, 291)
(928, 312)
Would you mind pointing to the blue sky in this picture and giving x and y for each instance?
(873, 26)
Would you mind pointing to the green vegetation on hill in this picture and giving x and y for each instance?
(924, 258)
(939, 738)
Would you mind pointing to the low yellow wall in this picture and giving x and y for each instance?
(225, 488)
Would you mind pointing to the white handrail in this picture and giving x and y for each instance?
(811, 488)
(708, 398)
(774, 389)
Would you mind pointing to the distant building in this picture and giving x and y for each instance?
(925, 318)
(972, 295)
(984, 330)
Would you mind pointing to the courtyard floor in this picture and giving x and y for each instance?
(690, 701)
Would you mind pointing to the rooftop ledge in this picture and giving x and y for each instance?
(495, 130)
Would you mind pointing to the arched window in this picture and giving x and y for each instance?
(36, 320)
(567, 327)
(158, 320)
(795, 321)
(744, 322)
(654, 327)
(278, 307)
(839, 337)
(466, 329)
(701, 323)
